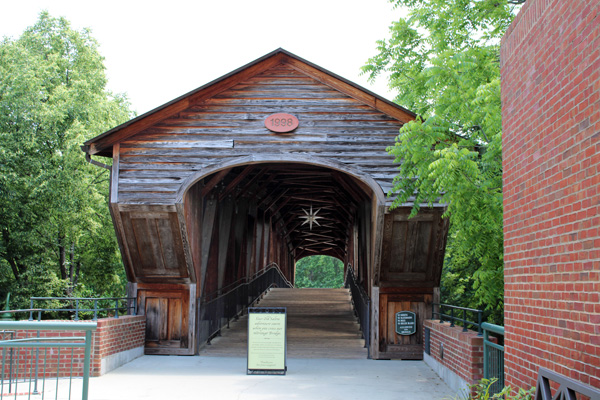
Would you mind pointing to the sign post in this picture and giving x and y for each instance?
(267, 341)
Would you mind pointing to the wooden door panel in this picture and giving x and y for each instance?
(153, 318)
(175, 314)
(167, 321)
(393, 345)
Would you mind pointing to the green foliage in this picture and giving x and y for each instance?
(56, 231)
(319, 272)
(443, 60)
(482, 391)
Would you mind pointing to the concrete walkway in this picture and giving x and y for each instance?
(326, 360)
(180, 378)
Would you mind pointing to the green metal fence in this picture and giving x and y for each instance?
(37, 358)
(493, 356)
(77, 308)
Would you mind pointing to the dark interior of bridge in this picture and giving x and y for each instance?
(315, 208)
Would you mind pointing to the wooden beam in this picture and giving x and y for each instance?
(236, 181)
(218, 177)
(283, 204)
(225, 224)
(264, 185)
(317, 234)
(272, 202)
(341, 179)
(114, 175)
(298, 245)
(208, 221)
(256, 177)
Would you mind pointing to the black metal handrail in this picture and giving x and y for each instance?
(214, 313)
(94, 302)
(463, 320)
(232, 286)
(566, 387)
(362, 306)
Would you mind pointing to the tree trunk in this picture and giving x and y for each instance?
(62, 258)
(74, 268)
(77, 269)
(71, 263)
(15, 269)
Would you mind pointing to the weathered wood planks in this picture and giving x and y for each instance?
(333, 125)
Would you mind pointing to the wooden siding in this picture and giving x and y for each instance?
(334, 126)
(154, 244)
(413, 248)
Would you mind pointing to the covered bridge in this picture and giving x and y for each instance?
(211, 188)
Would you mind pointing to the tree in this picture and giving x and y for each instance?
(443, 60)
(319, 272)
(53, 204)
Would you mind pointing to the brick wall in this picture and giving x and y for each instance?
(113, 339)
(24, 359)
(551, 141)
(462, 361)
(115, 342)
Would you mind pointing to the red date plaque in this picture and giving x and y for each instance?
(281, 122)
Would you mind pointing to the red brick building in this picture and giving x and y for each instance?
(551, 115)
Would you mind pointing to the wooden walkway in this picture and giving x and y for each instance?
(320, 324)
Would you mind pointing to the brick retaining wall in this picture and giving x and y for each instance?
(461, 364)
(115, 342)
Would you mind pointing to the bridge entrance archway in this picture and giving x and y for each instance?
(277, 213)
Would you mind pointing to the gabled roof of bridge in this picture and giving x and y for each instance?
(102, 144)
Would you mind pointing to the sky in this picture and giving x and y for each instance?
(156, 51)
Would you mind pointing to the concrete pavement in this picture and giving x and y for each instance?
(171, 377)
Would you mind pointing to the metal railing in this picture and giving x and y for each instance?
(567, 388)
(493, 357)
(217, 309)
(83, 307)
(7, 335)
(362, 307)
(462, 311)
(39, 358)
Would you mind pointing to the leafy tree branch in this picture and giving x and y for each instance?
(443, 62)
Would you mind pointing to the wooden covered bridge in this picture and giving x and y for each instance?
(268, 164)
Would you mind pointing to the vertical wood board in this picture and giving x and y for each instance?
(167, 309)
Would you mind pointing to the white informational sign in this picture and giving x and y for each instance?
(267, 340)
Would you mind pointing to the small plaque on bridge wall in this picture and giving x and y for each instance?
(406, 323)
(281, 122)
(267, 344)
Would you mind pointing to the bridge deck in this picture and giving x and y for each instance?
(320, 324)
